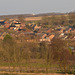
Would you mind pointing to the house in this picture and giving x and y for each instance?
(50, 37)
(59, 30)
(46, 40)
(7, 25)
(6, 22)
(64, 37)
(62, 34)
(11, 27)
(37, 27)
(68, 30)
(2, 22)
(44, 35)
(49, 30)
(21, 29)
(17, 24)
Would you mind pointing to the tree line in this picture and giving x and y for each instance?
(67, 19)
(23, 53)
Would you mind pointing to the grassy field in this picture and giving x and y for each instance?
(32, 66)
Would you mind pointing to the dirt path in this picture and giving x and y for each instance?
(33, 73)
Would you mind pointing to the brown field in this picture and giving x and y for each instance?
(33, 18)
(33, 73)
(40, 18)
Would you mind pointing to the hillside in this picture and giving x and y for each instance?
(29, 15)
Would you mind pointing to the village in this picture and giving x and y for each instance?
(33, 32)
(37, 37)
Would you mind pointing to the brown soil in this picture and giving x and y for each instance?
(34, 73)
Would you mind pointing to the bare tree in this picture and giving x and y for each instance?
(61, 54)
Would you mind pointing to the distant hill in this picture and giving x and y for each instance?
(33, 15)
(14, 16)
(29, 15)
(49, 14)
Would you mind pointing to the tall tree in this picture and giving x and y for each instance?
(61, 53)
